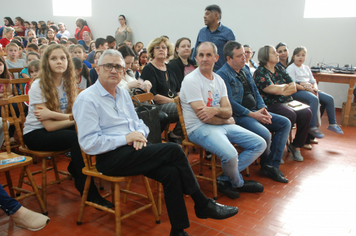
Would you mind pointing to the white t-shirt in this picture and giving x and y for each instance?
(35, 95)
(301, 74)
(196, 87)
(82, 83)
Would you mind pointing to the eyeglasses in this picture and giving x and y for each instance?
(163, 47)
(108, 67)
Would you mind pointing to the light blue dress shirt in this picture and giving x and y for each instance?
(103, 121)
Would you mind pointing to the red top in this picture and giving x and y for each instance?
(85, 28)
(4, 41)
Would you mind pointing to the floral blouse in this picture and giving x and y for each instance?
(263, 78)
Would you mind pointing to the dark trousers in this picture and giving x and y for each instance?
(164, 162)
(302, 118)
(42, 140)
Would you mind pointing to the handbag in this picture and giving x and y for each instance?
(149, 114)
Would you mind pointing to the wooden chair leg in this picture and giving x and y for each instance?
(35, 189)
(84, 198)
(159, 197)
(55, 169)
(152, 200)
(127, 188)
(117, 209)
(213, 169)
(22, 176)
(9, 183)
(44, 180)
(248, 171)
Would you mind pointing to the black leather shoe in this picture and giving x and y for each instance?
(181, 233)
(215, 211)
(174, 140)
(251, 186)
(226, 188)
(273, 173)
(102, 201)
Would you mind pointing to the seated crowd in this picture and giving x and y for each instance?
(237, 102)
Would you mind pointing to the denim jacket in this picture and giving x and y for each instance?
(235, 89)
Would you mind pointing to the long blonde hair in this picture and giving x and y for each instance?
(48, 88)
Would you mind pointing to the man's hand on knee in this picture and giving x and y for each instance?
(136, 139)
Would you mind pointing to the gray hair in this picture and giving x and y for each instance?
(263, 55)
(110, 52)
(208, 43)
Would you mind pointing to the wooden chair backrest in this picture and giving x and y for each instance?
(14, 71)
(4, 104)
(180, 114)
(18, 83)
(88, 162)
(5, 82)
(144, 97)
(18, 121)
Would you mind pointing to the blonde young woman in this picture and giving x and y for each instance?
(47, 126)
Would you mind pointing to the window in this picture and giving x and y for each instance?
(329, 8)
(71, 7)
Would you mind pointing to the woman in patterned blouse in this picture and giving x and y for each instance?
(276, 88)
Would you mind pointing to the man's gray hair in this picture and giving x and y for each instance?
(208, 43)
(110, 52)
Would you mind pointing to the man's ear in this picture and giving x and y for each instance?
(217, 57)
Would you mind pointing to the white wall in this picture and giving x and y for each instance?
(257, 23)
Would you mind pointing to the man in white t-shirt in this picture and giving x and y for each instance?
(208, 118)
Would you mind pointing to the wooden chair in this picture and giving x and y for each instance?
(186, 144)
(14, 71)
(17, 83)
(43, 155)
(24, 165)
(147, 97)
(90, 171)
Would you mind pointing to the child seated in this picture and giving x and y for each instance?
(32, 48)
(12, 51)
(79, 52)
(81, 73)
(135, 68)
(31, 56)
(93, 73)
(42, 49)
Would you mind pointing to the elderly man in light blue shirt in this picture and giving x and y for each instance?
(108, 127)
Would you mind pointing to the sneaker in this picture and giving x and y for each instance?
(335, 128)
(295, 154)
(314, 141)
(307, 146)
(30, 220)
(316, 132)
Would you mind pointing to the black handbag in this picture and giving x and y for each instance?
(150, 115)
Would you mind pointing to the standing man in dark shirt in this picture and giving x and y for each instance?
(249, 110)
(214, 32)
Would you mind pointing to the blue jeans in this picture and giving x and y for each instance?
(217, 139)
(7, 203)
(313, 101)
(280, 127)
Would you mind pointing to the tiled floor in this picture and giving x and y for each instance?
(320, 199)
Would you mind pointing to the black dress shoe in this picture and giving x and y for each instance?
(226, 188)
(102, 202)
(251, 186)
(215, 211)
(174, 140)
(181, 233)
(273, 173)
